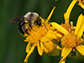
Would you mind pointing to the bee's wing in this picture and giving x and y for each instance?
(16, 19)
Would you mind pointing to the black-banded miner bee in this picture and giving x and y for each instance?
(29, 19)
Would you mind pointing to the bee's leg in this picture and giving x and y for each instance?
(30, 26)
(27, 32)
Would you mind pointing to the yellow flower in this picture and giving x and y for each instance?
(41, 37)
(81, 3)
(71, 39)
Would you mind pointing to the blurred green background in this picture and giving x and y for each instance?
(12, 45)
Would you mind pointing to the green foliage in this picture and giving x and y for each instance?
(76, 55)
(54, 53)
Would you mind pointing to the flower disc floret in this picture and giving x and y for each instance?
(70, 41)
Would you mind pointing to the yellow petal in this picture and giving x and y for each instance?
(50, 14)
(28, 47)
(29, 53)
(44, 39)
(43, 47)
(80, 32)
(67, 14)
(74, 27)
(79, 26)
(58, 35)
(58, 47)
(49, 45)
(51, 35)
(80, 49)
(62, 61)
(83, 21)
(60, 28)
(40, 50)
(79, 22)
(65, 52)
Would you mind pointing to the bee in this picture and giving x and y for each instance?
(26, 21)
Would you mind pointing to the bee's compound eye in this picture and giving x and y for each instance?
(36, 22)
(39, 23)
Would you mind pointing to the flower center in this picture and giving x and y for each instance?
(70, 40)
(36, 33)
(67, 26)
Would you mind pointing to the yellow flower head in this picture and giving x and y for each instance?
(71, 36)
(41, 37)
(81, 3)
(71, 39)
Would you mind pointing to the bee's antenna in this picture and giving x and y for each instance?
(45, 26)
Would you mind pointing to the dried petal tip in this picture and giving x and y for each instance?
(71, 24)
